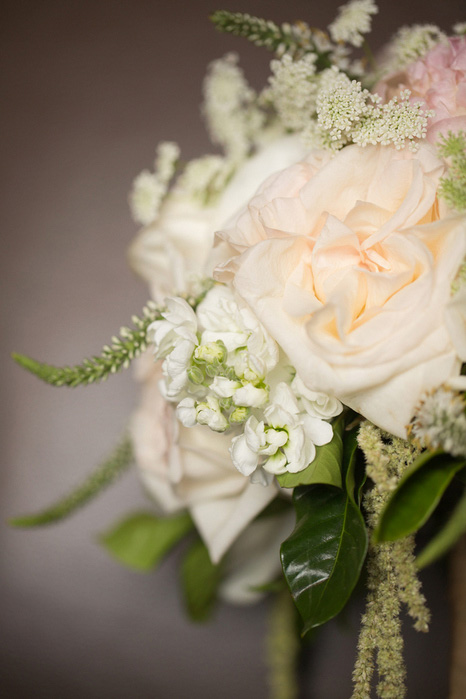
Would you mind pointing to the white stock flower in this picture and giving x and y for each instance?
(315, 403)
(284, 441)
(190, 468)
(179, 323)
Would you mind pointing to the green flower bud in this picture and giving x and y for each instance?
(239, 415)
(196, 375)
(211, 352)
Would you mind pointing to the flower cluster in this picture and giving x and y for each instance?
(353, 21)
(222, 369)
(351, 114)
(440, 421)
(232, 117)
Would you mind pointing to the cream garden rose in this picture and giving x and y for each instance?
(168, 253)
(348, 263)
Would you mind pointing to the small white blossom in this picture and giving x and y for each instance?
(440, 422)
(179, 322)
(313, 403)
(350, 114)
(411, 43)
(341, 104)
(186, 412)
(353, 20)
(285, 440)
(249, 396)
(459, 28)
(209, 413)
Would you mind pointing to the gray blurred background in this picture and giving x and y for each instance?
(88, 89)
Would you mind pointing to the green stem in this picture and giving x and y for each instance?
(369, 55)
(282, 648)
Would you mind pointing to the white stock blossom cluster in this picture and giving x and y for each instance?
(353, 21)
(150, 188)
(351, 114)
(411, 43)
(223, 370)
(440, 422)
(230, 109)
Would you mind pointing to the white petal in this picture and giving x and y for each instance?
(244, 459)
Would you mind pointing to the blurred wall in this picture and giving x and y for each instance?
(89, 88)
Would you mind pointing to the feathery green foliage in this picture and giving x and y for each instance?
(105, 474)
(294, 38)
(453, 185)
(112, 359)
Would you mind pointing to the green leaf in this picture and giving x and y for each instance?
(323, 557)
(112, 359)
(446, 537)
(105, 474)
(200, 579)
(417, 495)
(326, 467)
(141, 540)
(355, 472)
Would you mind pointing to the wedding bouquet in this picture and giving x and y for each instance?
(302, 357)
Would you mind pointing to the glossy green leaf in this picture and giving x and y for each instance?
(417, 495)
(323, 557)
(355, 473)
(326, 467)
(446, 537)
(200, 579)
(141, 540)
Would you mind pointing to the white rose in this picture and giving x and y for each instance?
(178, 244)
(191, 468)
(348, 263)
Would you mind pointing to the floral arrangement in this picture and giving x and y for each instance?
(302, 357)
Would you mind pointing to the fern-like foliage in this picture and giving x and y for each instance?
(296, 38)
(105, 474)
(113, 358)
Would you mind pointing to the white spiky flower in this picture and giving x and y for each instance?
(229, 108)
(353, 21)
(293, 89)
(150, 188)
(411, 43)
(440, 421)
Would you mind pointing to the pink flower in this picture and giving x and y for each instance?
(439, 81)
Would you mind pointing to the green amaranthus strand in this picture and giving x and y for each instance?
(391, 575)
(112, 359)
(105, 474)
(453, 185)
(294, 38)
